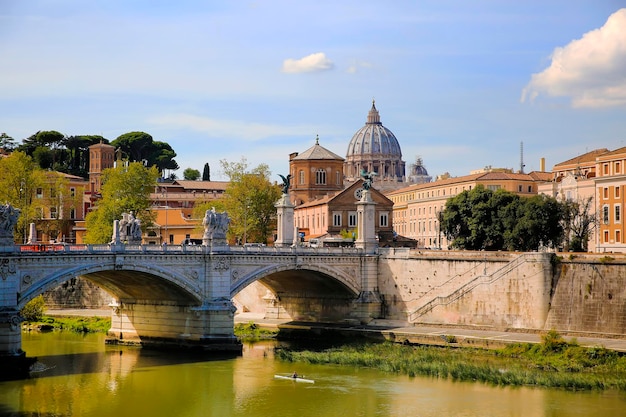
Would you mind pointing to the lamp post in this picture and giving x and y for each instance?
(164, 191)
(245, 224)
(22, 192)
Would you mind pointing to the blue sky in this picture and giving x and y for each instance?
(460, 83)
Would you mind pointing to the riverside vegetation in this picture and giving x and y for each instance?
(554, 363)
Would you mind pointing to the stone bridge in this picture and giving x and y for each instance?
(181, 295)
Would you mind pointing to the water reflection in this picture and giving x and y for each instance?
(87, 378)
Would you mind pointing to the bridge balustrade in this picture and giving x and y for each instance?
(50, 249)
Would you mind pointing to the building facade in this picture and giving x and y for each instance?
(335, 215)
(315, 173)
(610, 182)
(574, 180)
(416, 208)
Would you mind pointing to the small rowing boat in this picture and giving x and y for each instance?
(296, 379)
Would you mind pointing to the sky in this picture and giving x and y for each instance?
(461, 84)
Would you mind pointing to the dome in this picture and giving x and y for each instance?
(374, 139)
(374, 148)
(419, 174)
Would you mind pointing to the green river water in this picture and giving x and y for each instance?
(83, 377)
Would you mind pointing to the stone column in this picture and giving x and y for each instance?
(115, 238)
(285, 224)
(13, 361)
(366, 223)
(32, 234)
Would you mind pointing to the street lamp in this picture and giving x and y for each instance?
(245, 224)
(164, 191)
(23, 192)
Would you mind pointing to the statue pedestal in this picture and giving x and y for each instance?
(366, 223)
(285, 226)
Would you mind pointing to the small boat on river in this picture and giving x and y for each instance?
(295, 378)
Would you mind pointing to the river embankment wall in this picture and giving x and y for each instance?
(578, 294)
(589, 295)
(500, 290)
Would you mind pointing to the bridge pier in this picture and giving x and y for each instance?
(168, 324)
(13, 360)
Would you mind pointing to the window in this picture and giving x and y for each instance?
(519, 188)
(618, 168)
(617, 191)
(53, 212)
(493, 187)
(618, 213)
(337, 219)
(301, 175)
(606, 236)
(320, 177)
(384, 219)
(338, 177)
(72, 192)
(72, 213)
(605, 193)
(618, 237)
(352, 219)
(39, 192)
(605, 214)
(53, 193)
(605, 169)
(530, 188)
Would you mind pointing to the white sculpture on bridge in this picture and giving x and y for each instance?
(8, 220)
(130, 229)
(215, 227)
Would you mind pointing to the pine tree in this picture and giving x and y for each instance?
(206, 174)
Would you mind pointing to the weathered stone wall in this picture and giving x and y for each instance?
(589, 294)
(77, 293)
(490, 289)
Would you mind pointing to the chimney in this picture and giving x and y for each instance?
(542, 164)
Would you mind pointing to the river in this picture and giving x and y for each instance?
(80, 376)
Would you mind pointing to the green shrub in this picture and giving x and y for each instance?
(553, 342)
(34, 309)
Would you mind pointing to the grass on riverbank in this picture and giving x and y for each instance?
(72, 324)
(554, 363)
(250, 332)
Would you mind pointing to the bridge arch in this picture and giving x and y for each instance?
(304, 292)
(344, 280)
(128, 282)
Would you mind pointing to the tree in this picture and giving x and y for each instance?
(124, 190)
(481, 219)
(140, 147)
(7, 143)
(537, 224)
(206, 173)
(48, 140)
(78, 153)
(249, 200)
(191, 174)
(578, 224)
(21, 178)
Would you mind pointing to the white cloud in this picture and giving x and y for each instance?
(591, 70)
(311, 63)
(228, 128)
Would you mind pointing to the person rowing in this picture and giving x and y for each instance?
(294, 375)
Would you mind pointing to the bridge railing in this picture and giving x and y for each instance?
(49, 249)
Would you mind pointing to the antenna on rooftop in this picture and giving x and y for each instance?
(521, 158)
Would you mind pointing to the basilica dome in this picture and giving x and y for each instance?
(374, 148)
